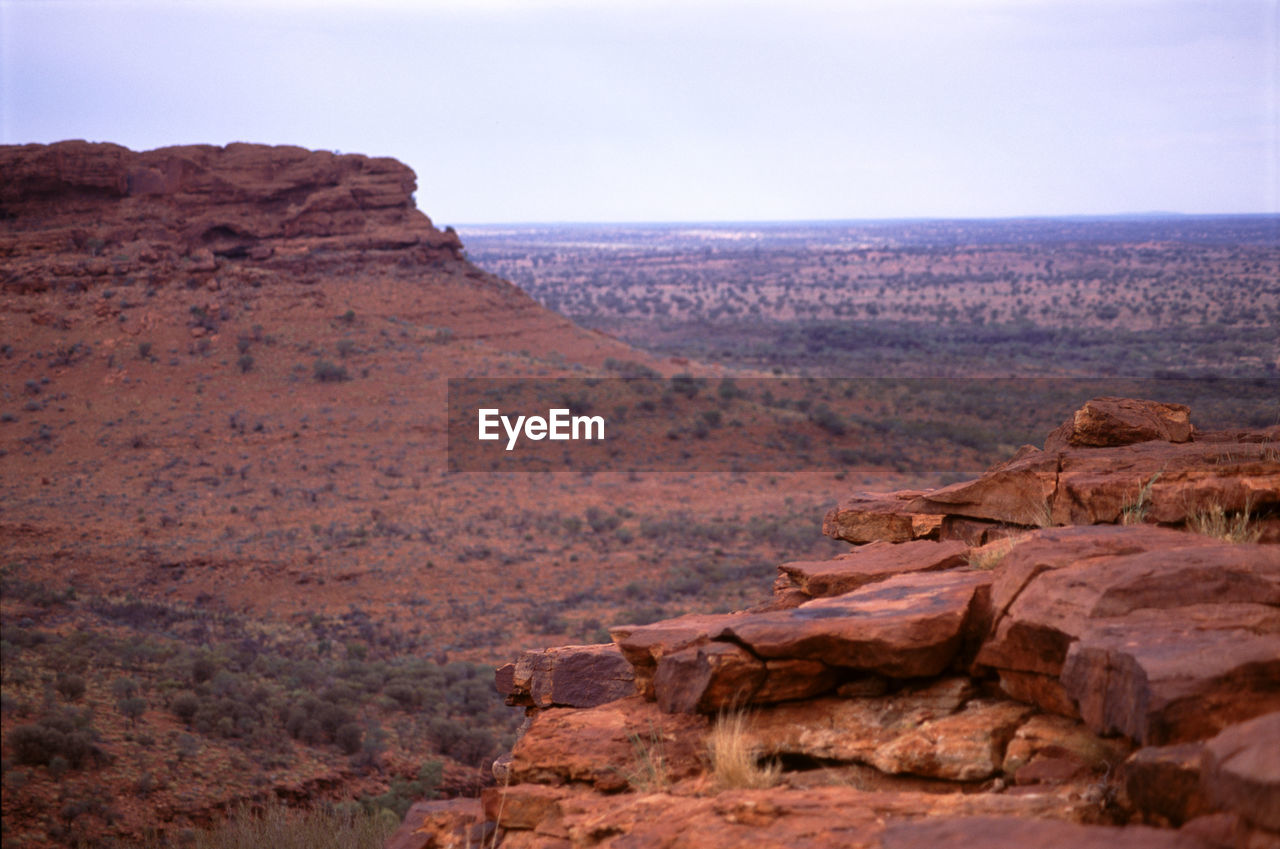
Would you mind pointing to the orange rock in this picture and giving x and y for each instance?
(624, 742)
(1112, 421)
(871, 563)
(869, 516)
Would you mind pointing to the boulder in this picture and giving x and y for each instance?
(1112, 421)
(872, 516)
(1051, 586)
(567, 676)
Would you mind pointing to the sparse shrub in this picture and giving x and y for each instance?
(828, 419)
(327, 372)
(245, 363)
(1214, 521)
(348, 737)
(66, 735)
(988, 556)
(70, 687)
(144, 350)
(346, 348)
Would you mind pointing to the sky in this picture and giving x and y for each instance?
(701, 110)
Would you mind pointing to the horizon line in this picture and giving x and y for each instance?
(905, 219)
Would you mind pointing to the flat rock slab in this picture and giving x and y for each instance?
(1170, 676)
(567, 676)
(871, 563)
(1084, 486)
(852, 730)
(1020, 833)
(927, 731)
(821, 818)
(872, 516)
(1018, 491)
(1053, 584)
(1095, 485)
(1241, 771)
(906, 626)
(610, 746)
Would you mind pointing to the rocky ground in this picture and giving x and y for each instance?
(1079, 648)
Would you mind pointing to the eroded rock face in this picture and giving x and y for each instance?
(611, 746)
(201, 204)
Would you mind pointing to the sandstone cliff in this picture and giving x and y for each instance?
(1079, 648)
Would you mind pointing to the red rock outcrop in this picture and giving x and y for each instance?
(1056, 686)
(195, 204)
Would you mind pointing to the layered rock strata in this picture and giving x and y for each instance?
(1076, 684)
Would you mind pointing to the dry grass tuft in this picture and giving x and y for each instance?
(987, 557)
(283, 828)
(735, 761)
(1134, 512)
(650, 772)
(1216, 522)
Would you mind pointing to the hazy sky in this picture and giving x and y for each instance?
(641, 110)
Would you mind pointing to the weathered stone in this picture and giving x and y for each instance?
(872, 563)
(974, 532)
(856, 729)
(907, 626)
(1018, 491)
(1169, 676)
(609, 746)
(1098, 484)
(1111, 421)
(1044, 691)
(1041, 609)
(441, 824)
(644, 645)
(1019, 833)
(567, 676)
(1057, 736)
(707, 677)
(1162, 783)
(966, 746)
(522, 806)
(1240, 769)
(871, 516)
